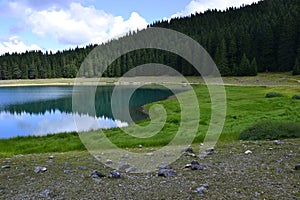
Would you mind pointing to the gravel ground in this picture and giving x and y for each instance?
(266, 173)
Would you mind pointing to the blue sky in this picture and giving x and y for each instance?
(57, 25)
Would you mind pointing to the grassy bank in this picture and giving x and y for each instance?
(262, 79)
(245, 106)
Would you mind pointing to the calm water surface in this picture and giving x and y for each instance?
(47, 109)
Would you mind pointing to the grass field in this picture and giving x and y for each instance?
(245, 106)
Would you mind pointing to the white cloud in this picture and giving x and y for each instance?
(203, 5)
(15, 44)
(78, 25)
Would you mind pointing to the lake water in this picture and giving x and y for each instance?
(41, 110)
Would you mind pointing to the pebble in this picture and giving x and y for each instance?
(69, 171)
(210, 151)
(163, 165)
(124, 167)
(188, 149)
(115, 174)
(200, 191)
(46, 193)
(5, 167)
(248, 152)
(277, 142)
(166, 172)
(97, 174)
(39, 169)
(297, 167)
(289, 155)
(109, 162)
(130, 169)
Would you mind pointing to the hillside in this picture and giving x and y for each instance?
(260, 37)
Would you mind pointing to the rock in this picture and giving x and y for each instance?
(124, 167)
(69, 171)
(39, 169)
(46, 193)
(130, 169)
(140, 146)
(2, 191)
(126, 156)
(166, 172)
(51, 157)
(5, 167)
(82, 168)
(149, 154)
(297, 167)
(200, 191)
(197, 167)
(115, 174)
(191, 154)
(97, 174)
(248, 152)
(210, 151)
(188, 149)
(163, 165)
(195, 162)
(188, 166)
(277, 142)
(289, 155)
(109, 162)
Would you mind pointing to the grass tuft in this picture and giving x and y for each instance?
(271, 130)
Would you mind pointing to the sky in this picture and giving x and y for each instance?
(51, 25)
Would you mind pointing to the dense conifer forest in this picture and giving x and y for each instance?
(262, 37)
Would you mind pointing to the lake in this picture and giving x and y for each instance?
(40, 110)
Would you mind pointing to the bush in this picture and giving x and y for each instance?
(273, 94)
(296, 96)
(271, 130)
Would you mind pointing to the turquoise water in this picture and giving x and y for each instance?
(47, 109)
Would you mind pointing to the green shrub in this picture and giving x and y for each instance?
(296, 96)
(273, 94)
(271, 130)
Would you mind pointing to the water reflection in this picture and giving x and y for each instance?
(42, 110)
(22, 124)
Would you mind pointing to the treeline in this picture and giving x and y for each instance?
(262, 37)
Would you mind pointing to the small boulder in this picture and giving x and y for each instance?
(210, 151)
(189, 149)
(200, 191)
(109, 162)
(277, 142)
(163, 165)
(130, 169)
(51, 157)
(166, 172)
(123, 167)
(297, 167)
(248, 152)
(115, 174)
(46, 193)
(97, 174)
(140, 146)
(5, 167)
(39, 169)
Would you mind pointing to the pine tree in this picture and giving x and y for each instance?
(253, 68)
(244, 67)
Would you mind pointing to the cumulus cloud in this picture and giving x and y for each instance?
(203, 5)
(15, 44)
(75, 24)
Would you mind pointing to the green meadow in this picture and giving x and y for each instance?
(246, 106)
